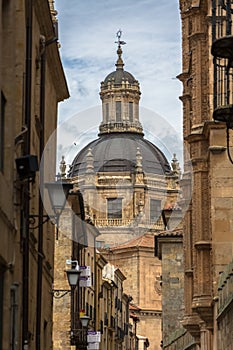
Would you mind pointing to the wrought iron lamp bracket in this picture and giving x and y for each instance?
(60, 293)
(33, 218)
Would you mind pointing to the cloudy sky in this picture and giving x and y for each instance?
(87, 34)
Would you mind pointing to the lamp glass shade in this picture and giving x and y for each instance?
(84, 320)
(73, 277)
(58, 193)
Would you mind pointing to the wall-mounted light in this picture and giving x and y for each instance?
(73, 279)
(78, 336)
(58, 192)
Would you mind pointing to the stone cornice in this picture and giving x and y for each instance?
(150, 312)
(203, 305)
(197, 36)
(203, 245)
(212, 125)
(202, 131)
(192, 324)
(217, 149)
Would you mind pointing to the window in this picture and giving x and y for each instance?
(114, 208)
(107, 111)
(118, 111)
(131, 111)
(155, 209)
(14, 316)
(2, 126)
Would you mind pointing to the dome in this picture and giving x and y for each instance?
(117, 153)
(118, 75)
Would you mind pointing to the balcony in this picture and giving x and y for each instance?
(158, 225)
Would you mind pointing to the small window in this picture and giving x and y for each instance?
(14, 316)
(114, 208)
(118, 111)
(131, 111)
(107, 111)
(155, 209)
(2, 127)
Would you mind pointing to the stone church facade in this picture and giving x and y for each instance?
(130, 190)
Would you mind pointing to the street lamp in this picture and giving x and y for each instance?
(73, 279)
(78, 336)
(84, 320)
(58, 192)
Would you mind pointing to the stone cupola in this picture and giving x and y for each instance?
(120, 95)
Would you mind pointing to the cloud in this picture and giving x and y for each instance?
(152, 54)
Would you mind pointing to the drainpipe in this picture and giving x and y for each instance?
(40, 220)
(24, 215)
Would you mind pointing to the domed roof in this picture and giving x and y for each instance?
(118, 75)
(117, 153)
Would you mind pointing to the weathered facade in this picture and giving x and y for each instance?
(207, 179)
(32, 83)
(103, 300)
(143, 270)
(169, 249)
(224, 309)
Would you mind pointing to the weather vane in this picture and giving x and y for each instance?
(119, 41)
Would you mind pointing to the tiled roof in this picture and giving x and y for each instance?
(146, 240)
(171, 233)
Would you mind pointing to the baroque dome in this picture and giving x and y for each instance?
(117, 152)
(118, 75)
(121, 146)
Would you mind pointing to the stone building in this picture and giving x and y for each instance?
(128, 188)
(99, 294)
(32, 83)
(207, 229)
(137, 261)
(169, 248)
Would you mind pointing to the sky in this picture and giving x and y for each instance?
(87, 35)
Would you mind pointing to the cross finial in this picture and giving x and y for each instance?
(119, 41)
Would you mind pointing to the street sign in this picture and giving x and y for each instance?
(85, 271)
(84, 281)
(93, 337)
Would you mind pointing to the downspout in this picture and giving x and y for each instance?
(40, 255)
(24, 215)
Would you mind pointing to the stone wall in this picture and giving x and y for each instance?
(172, 287)
(225, 309)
